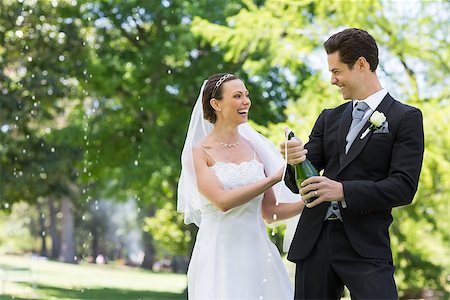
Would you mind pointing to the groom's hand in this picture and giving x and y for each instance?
(295, 151)
(323, 188)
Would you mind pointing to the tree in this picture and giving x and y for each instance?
(41, 52)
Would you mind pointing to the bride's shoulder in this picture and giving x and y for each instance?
(205, 143)
(203, 148)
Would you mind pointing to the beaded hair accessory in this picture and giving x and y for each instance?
(219, 83)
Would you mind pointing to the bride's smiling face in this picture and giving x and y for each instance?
(235, 103)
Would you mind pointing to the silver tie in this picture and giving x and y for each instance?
(356, 126)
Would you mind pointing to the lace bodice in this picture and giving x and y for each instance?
(236, 175)
(232, 176)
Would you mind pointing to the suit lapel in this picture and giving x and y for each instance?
(359, 143)
(344, 125)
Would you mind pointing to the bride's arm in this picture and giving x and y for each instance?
(211, 187)
(281, 211)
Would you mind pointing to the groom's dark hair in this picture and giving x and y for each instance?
(353, 43)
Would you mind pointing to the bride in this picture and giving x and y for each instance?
(229, 185)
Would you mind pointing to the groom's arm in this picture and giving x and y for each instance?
(400, 185)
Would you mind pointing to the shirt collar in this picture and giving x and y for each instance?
(373, 100)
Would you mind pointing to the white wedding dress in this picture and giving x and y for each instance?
(233, 257)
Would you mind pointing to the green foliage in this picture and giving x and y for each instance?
(40, 53)
(167, 229)
(15, 236)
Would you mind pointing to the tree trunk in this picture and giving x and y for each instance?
(42, 231)
(67, 254)
(149, 248)
(53, 230)
(95, 237)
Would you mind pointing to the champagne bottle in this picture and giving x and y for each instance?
(303, 170)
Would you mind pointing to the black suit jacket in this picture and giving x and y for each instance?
(378, 173)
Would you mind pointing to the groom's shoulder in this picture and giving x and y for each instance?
(336, 110)
(332, 115)
(402, 107)
(341, 107)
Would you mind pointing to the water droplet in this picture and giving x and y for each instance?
(136, 163)
(19, 34)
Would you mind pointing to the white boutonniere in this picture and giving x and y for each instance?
(377, 120)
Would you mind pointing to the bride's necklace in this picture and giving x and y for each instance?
(226, 144)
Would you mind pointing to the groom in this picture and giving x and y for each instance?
(370, 150)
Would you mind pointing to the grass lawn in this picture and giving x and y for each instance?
(56, 280)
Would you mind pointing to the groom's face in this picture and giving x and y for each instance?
(349, 80)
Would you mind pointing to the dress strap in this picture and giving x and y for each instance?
(208, 153)
(254, 151)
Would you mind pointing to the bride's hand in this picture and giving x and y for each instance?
(278, 175)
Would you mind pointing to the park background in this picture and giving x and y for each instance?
(95, 99)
